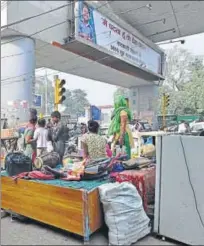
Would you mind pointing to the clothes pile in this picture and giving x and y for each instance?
(76, 171)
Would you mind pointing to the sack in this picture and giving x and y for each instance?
(51, 159)
(124, 214)
(148, 150)
(16, 163)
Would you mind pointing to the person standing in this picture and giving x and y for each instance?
(49, 124)
(119, 127)
(41, 137)
(59, 134)
(29, 144)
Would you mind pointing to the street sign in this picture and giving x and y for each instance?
(95, 113)
(37, 101)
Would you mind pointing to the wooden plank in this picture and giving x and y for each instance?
(95, 211)
(56, 206)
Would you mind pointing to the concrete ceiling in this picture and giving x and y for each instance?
(182, 18)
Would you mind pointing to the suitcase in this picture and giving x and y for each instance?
(16, 163)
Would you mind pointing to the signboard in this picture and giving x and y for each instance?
(95, 113)
(98, 29)
(37, 102)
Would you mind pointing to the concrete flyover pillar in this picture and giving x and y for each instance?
(144, 101)
(17, 75)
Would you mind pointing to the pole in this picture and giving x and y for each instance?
(56, 77)
(164, 118)
(163, 112)
(46, 93)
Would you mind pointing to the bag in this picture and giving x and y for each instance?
(51, 159)
(124, 214)
(138, 163)
(16, 163)
(97, 169)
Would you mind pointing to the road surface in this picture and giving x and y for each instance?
(33, 233)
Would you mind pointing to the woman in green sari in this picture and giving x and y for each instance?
(119, 127)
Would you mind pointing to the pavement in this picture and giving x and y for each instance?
(33, 233)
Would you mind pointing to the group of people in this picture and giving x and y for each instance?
(38, 135)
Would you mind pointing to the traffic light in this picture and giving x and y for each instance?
(166, 100)
(59, 91)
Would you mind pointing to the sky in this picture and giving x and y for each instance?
(101, 93)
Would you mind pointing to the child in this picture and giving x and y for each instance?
(41, 137)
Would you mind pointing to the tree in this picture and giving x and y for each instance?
(194, 90)
(184, 82)
(80, 101)
(177, 68)
(121, 91)
(40, 88)
(75, 101)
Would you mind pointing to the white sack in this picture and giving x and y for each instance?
(124, 213)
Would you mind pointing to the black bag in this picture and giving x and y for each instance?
(16, 163)
(97, 169)
(51, 159)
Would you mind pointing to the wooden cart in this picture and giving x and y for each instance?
(76, 211)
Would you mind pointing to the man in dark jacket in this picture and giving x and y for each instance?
(59, 134)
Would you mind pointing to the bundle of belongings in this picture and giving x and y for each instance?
(124, 214)
(45, 167)
(136, 163)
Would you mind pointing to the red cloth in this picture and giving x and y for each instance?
(144, 181)
(34, 175)
(108, 151)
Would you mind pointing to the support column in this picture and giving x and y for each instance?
(144, 101)
(17, 74)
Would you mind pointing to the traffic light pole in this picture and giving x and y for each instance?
(163, 111)
(164, 117)
(56, 77)
(56, 107)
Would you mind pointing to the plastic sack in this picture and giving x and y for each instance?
(148, 150)
(124, 213)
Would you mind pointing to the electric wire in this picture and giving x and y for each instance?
(190, 182)
(175, 17)
(49, 27)
(35, 16)
(48, 44)
(62, 62)
(70, 70)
